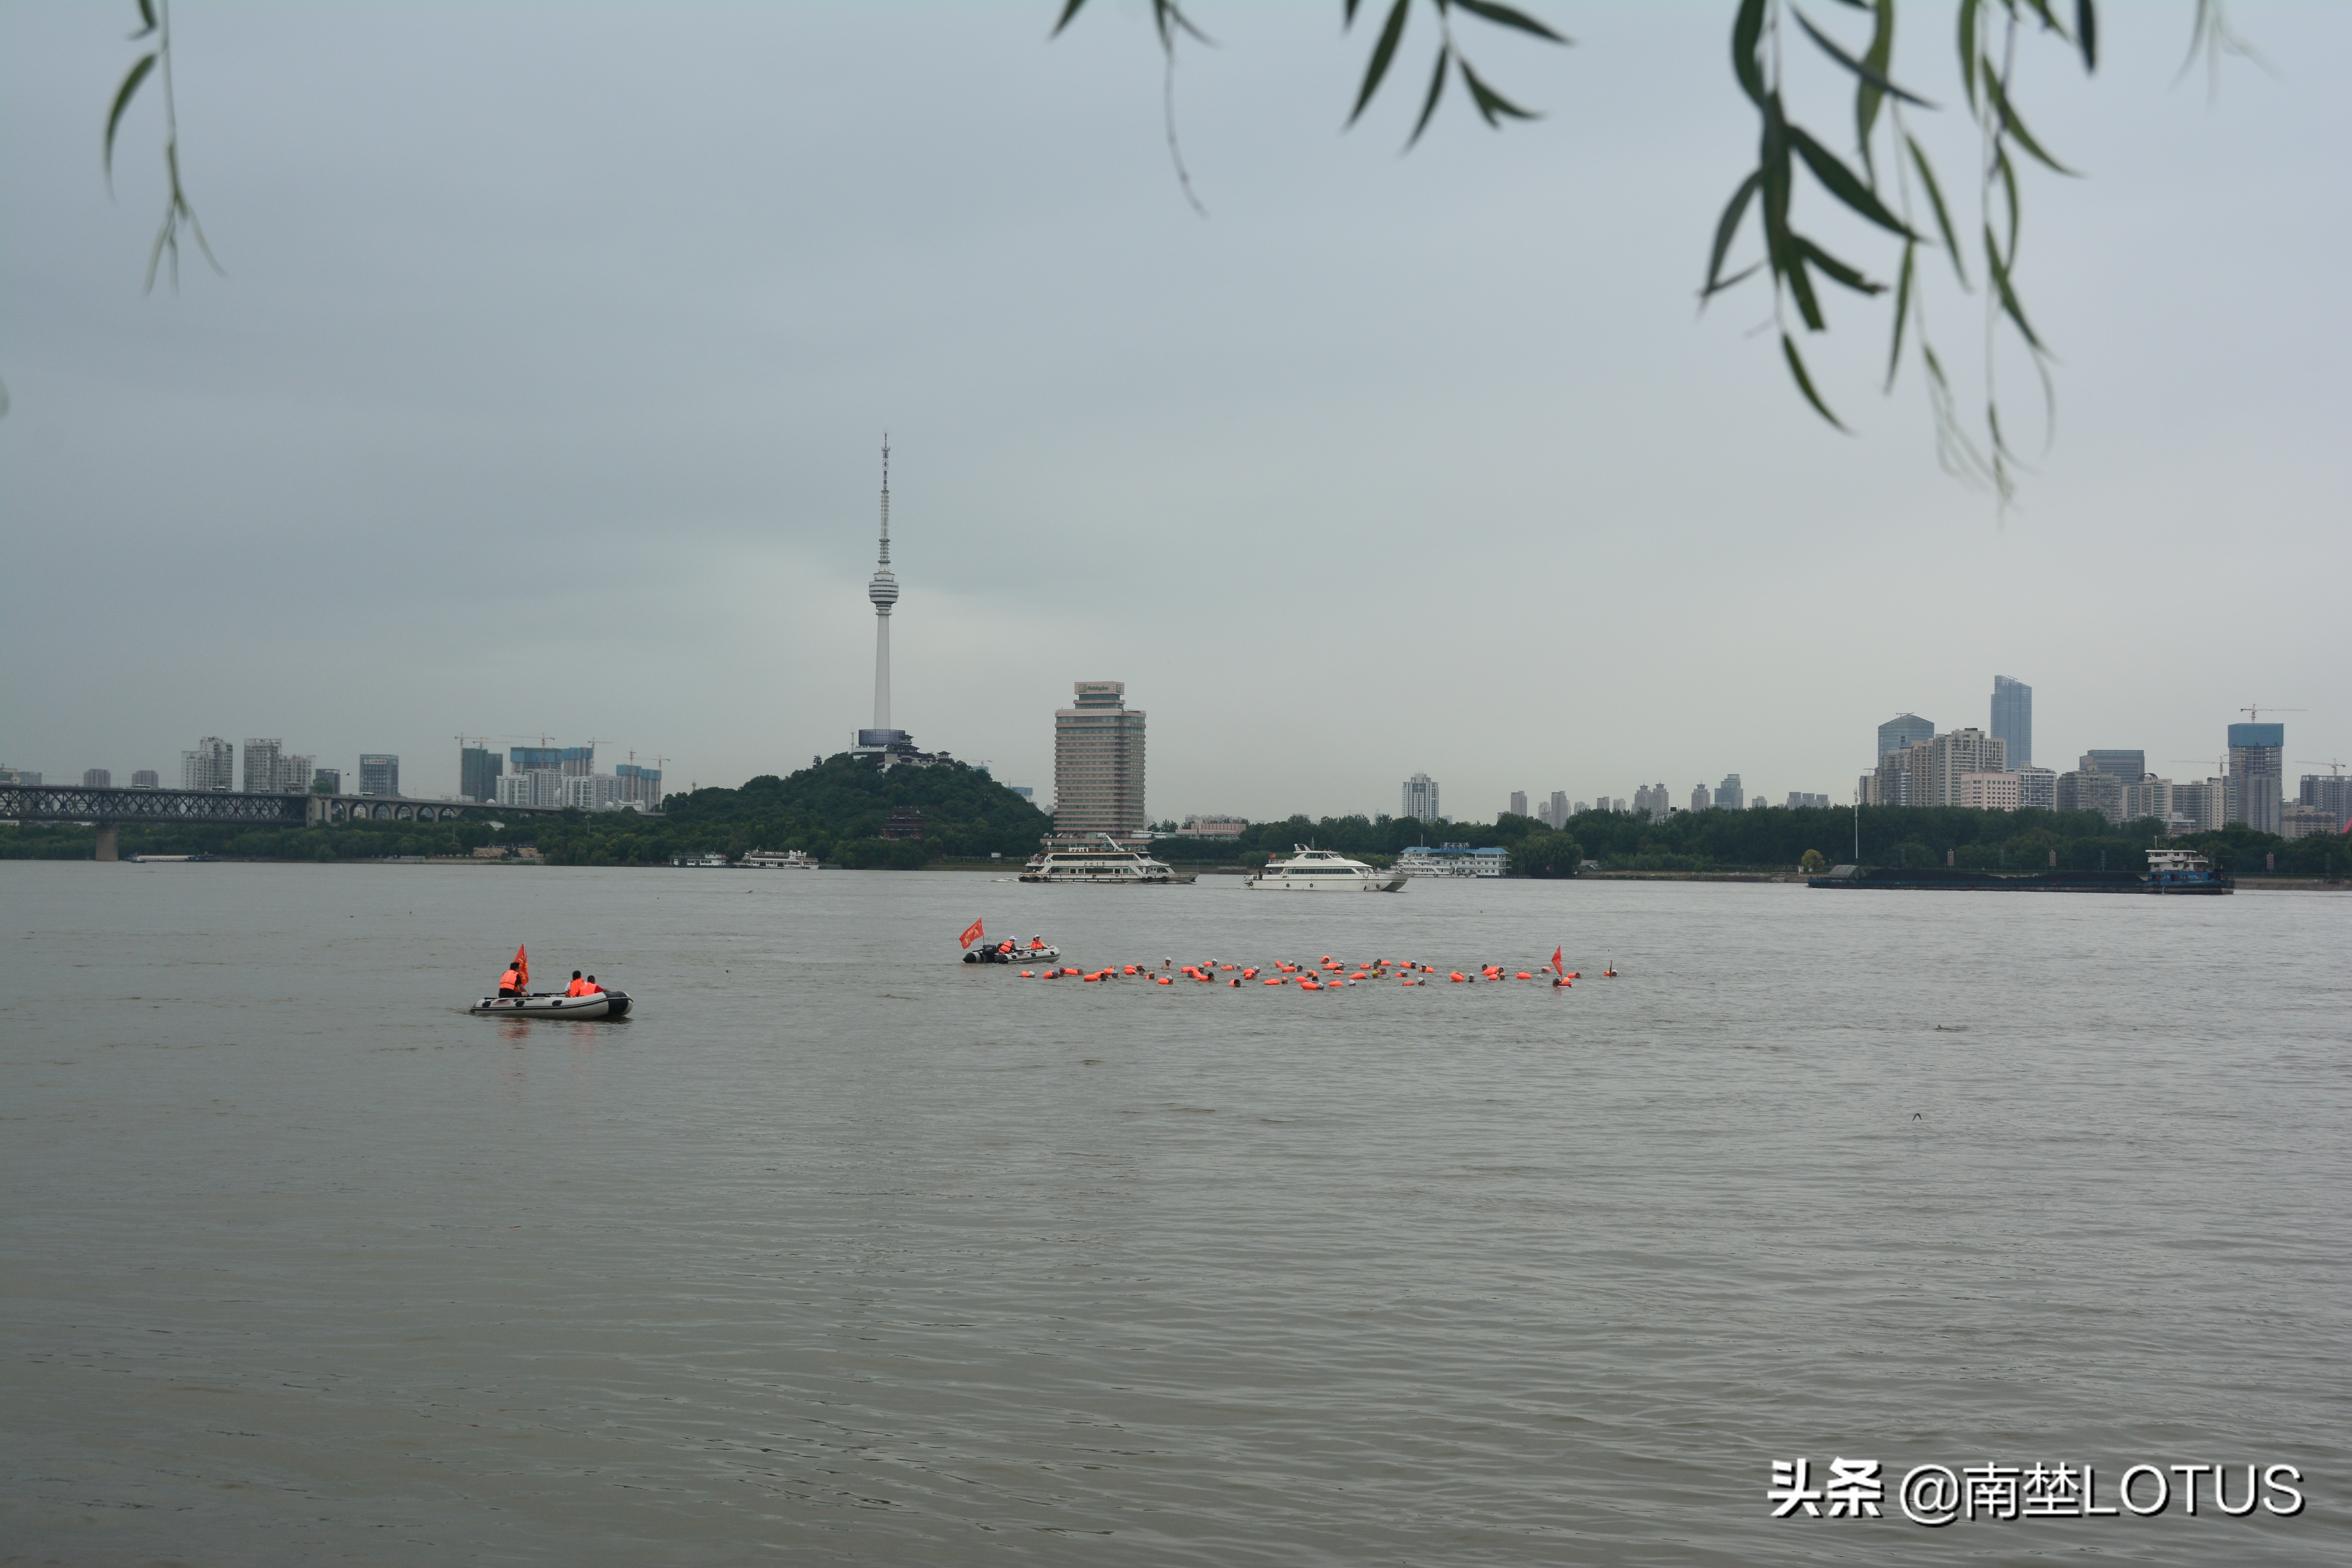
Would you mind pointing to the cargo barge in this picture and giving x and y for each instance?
(2168, 871)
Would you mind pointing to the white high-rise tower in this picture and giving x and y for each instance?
(884, 590)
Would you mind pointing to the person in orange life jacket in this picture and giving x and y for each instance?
(578, 987)
(510, 983)
(593, 989)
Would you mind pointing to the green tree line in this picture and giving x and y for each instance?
(835, 811)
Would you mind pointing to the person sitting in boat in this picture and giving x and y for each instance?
(593, 989)
(510, 984)
(580, 987)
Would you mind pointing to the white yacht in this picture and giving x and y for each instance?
(1111, 863)
(1323, 872)
(780, 861)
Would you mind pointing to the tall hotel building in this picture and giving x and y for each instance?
(1099, 763)
(2013, 718)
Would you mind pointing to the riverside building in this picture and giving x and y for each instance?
(1099, 763)
(380, 774)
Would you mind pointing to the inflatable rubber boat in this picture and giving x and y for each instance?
(556, 1005)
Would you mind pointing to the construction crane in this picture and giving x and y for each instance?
(2254, 711)
(2333, 765)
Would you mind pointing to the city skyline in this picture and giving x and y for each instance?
(536, 552)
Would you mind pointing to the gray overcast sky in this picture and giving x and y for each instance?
(544, 390)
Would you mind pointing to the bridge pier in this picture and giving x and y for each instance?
(110, 841)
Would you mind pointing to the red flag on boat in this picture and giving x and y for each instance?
(1555, 968)
(522, 965)
(971, 933)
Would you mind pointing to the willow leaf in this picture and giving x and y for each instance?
(1490, 103)
(2015, 126)
(1747, 64)
(1069, 11)
(1936, 200)
(1845, 184)
(147, 15)
(1436, 91)
(1867, 97)
(2086, 33)
(1968, 49)
(1871, 77)
(1726, 229)
(1383, 53)
(1805, 383)
(1838, 272)
(1902, 313)
(1509, 17)
(123, 101)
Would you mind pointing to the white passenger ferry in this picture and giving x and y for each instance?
(1111, 863)
(780, 861)
(1451, 860)
(1323, 872)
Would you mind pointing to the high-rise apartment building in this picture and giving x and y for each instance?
(146, 778)
(379, 773)
(1099, 763)
(571, 762)
(2147, 795)
(2331, 793)
(2092, 789)
(478, 769)
(640, 786)
(1989, 792)
(1652, 801)
(2127, 765)
(1800, 800)
(1559, 808)
(2201, 805)
(2013, 718)
(97, 778)
(534, 786)
(294, 775)
(1701, 796)
(2037, 789)
(1518, 803)
(261, 759)
(1903, 729)
(2257, 775)
(211, 766)
(1420, 798)
(1927, 772)
(1730, 794)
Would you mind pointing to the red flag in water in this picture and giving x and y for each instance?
(971, 933)
(522, 965)
(1555, 966)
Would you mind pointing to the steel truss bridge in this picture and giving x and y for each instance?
(109, 809)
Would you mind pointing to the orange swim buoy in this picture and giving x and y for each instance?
(1457, 977)
(1309, 985)
(1163, 980)
(1026, 975)
(1525, 976)
(1273, 981)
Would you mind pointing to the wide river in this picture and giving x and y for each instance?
(840, 1250)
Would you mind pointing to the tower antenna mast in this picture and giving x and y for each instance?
(883, 591)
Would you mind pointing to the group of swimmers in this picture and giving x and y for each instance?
(1325, 973)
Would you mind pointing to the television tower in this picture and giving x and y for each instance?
(884, 590)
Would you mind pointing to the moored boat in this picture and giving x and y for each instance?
(1010, 951)
(779, 861)
(1323, 872)
(556, 1005)
(1112, 863)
